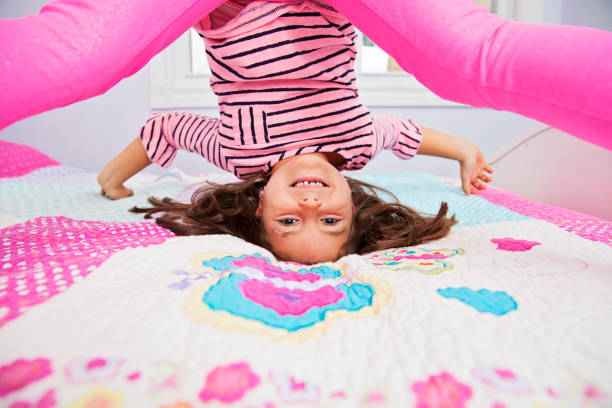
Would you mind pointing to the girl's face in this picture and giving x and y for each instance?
(306, 209)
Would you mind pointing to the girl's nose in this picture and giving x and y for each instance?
(310, 200)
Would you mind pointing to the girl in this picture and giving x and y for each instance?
(290, 112)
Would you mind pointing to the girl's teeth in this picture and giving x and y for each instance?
(308, 183)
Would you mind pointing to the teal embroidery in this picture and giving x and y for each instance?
(483, 300)
(226, 295)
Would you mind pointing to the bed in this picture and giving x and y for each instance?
(99, 307)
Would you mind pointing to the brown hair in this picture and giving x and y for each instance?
(230, 209)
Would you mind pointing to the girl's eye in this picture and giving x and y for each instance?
(330, 221)
(288, 221)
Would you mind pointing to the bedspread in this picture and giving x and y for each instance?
(99, 307)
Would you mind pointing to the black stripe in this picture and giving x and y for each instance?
(287, 71)
(167, 160)
(330, 69)
(225, 136)
(213, 73)
(296, 132)
(240, 126)
(225, 114)
(411, 138)
(290, 122)
(293, 98)
(303, 14)
(352, 147)
(312, 105)
(265, 126)
(245, 91)
(251, 173)
(141, 136)
(408, 146)
(418, 130)
(252, 156)
(280, 44)
(161, 133)
(168, 146)
(197, 138)
(287, 144)
(209, 156)
(343, 75)
(151, 136)
(250, 166)
(177, 125)
(281, 58)
(252, 125)
(219, 156)
(187, 133)
(275, 30)
(226, 126)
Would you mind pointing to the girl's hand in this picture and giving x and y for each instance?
(116, 192)
(475, 171)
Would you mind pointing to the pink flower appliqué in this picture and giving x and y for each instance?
(22, 372)
(502, 379)
(514, 245)
(441, 391)
(46, 401)
(229, 383)
(91, 370)
(294, 391)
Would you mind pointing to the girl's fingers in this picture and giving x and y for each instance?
(479, 185)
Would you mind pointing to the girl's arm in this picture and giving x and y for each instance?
(160, 139)
(127, 163)
(474, 167)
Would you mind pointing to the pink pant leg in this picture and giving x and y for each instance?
(77, 49)
(559, 75)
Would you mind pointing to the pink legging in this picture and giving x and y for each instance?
(559, 75)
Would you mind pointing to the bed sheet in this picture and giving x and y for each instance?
(101, 308)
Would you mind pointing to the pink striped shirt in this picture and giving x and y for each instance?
(283, 74)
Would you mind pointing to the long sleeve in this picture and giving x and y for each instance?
(402, 136)
(558, 74)
(164, 134)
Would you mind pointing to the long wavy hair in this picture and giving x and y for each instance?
(230, 209)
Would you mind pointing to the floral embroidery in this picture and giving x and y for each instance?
(180, 404)
(229, 383)
(281, 300)
(502, 379)
(46, 401)
(375, 398)
(292, 391)
(441, 391)
(99, 397)
(429, 262)
(188, 278)
(84, 370)
(22, 372)
(593, 393)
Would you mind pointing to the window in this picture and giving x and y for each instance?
(180, 74)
